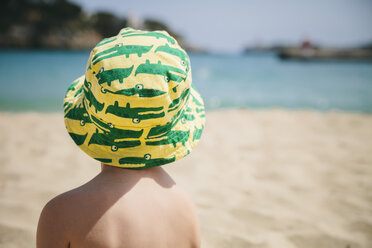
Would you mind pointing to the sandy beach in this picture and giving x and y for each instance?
(259, 178)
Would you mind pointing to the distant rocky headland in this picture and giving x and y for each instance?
(60, 24)
(308, 51)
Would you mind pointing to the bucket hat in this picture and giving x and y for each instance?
(135, 107)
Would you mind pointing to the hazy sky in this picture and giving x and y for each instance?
(228, 26)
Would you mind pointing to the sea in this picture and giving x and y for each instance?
(37, 81)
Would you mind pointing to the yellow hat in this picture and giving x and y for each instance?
(135, 106)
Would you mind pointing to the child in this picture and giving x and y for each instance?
(134, 110)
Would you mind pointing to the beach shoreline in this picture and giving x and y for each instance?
(259, 178)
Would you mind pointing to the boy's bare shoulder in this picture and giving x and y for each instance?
(72, 205)
(63, 202)
(54, 225)
(84, 211)
(66, 215)
(61, 207)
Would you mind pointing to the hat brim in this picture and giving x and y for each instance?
(134, 148)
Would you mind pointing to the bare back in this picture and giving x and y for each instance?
(122, 208)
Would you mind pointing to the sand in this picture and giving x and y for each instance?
(259, 178)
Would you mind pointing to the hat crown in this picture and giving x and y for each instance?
(135, 107)
(137, 79)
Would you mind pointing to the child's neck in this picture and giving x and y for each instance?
(156, 173)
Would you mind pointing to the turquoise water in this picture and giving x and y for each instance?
(37, 80)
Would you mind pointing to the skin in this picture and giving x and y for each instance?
(120, 208)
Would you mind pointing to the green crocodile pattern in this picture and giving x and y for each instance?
(135, 107)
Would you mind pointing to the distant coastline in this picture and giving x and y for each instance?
(307, 51)
(63, 25)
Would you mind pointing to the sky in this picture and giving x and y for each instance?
(229, 26)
